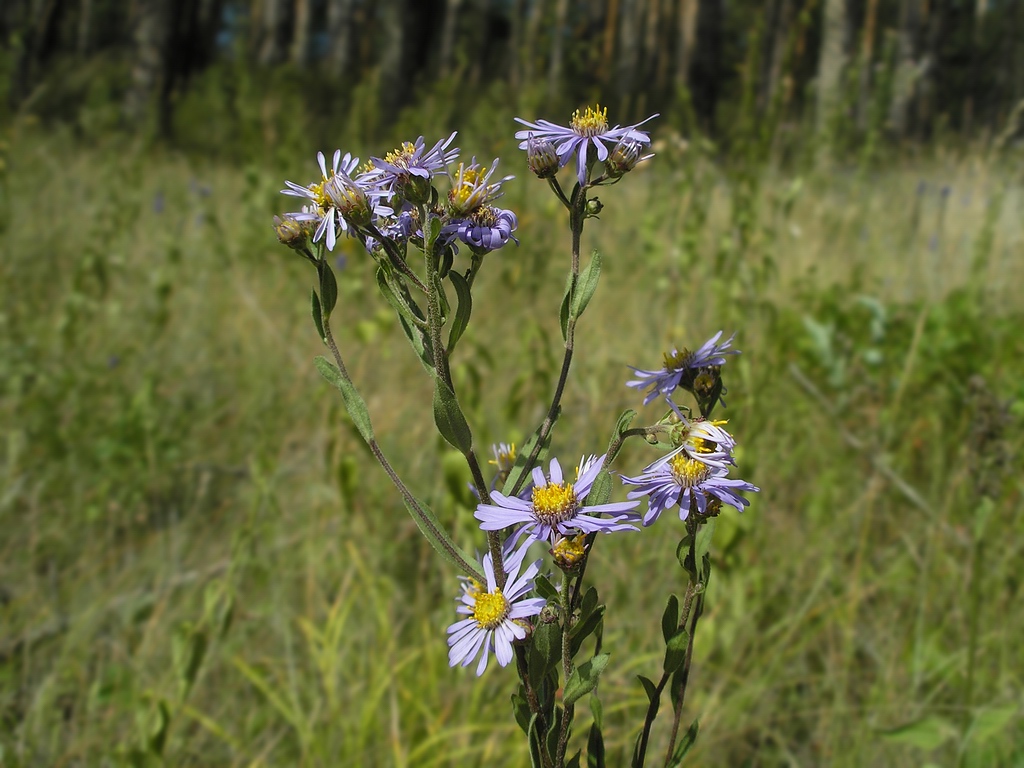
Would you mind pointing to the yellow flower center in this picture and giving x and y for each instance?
(569, 551)
(688, 472)
(490, 609)
(402, 155)
(554, 503)
(681, 359)
(320, 194)
(592, 122)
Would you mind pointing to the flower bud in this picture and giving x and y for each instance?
(568, 552)
(542, 158)
(291, 232)
(623, 158)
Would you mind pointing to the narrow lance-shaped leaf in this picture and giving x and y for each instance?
(328, 288)
(670, 618)
(675, 650)
(318, 317)
(584, 678)
(448, 417)
(462, 312)
(354, 403)
(684, 744)
(586, 285)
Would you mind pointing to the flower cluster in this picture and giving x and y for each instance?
(693, 476)
(381, 200)
(588, 139)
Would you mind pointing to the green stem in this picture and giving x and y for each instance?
(441, 366)
(567, 669)
(576, 218)
(440, 536)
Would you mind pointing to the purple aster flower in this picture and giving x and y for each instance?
(665, 380)
(495, 615)
(472, 188)
(487, 229)
(705, 441)
(555, 506)
(407, 170)
(678, 479)
(587, 131)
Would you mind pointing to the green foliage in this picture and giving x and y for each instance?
(200, 566)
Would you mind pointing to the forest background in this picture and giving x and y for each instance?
(200, 565)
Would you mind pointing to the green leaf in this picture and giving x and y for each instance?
(588, 604)
(563, 311)
(188, 649)
(675, 650)
(328, 288)
(653, 697)
(670, 618)
(554, 730)
(684, 744)
(521, 709)
(927, 733)
(442, 298)
(601, 490)
(462, 313)
(597, 710)
(595, 748)
(533, 734)
(574, 761)
(703, 546)
(585, 629)
(586, 285)
(448, 417)
(354, 403)
(545, 652)
(411, 318)
(620, 426)
(318, 318)
(991, 722)
(584, 678)
(160, 722)
(545, 588)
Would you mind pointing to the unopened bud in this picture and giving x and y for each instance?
(623, 158)
(291, 232)
(568, 552)
(541, 158)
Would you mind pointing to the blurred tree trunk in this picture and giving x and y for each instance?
(867, 62)
(149, 71)
(652, 56)
(831, 61)
(611, 26)
(449, 30)
(299, 54)
(707, 71)
(906, 66)
(628, 58)
(531, 43)
(557, 46)
(685, 38)
(397, 18)
(270, 27)
(776, 39)
(83, 37)
(515, 59)
(340, 20)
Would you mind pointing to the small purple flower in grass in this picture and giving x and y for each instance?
(555, 506)
(677, 478)
(495, 615)
(586, 131)
(665, 380)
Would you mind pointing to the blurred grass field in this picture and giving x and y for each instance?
(177, 476)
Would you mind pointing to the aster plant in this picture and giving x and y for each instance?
(427, 223)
